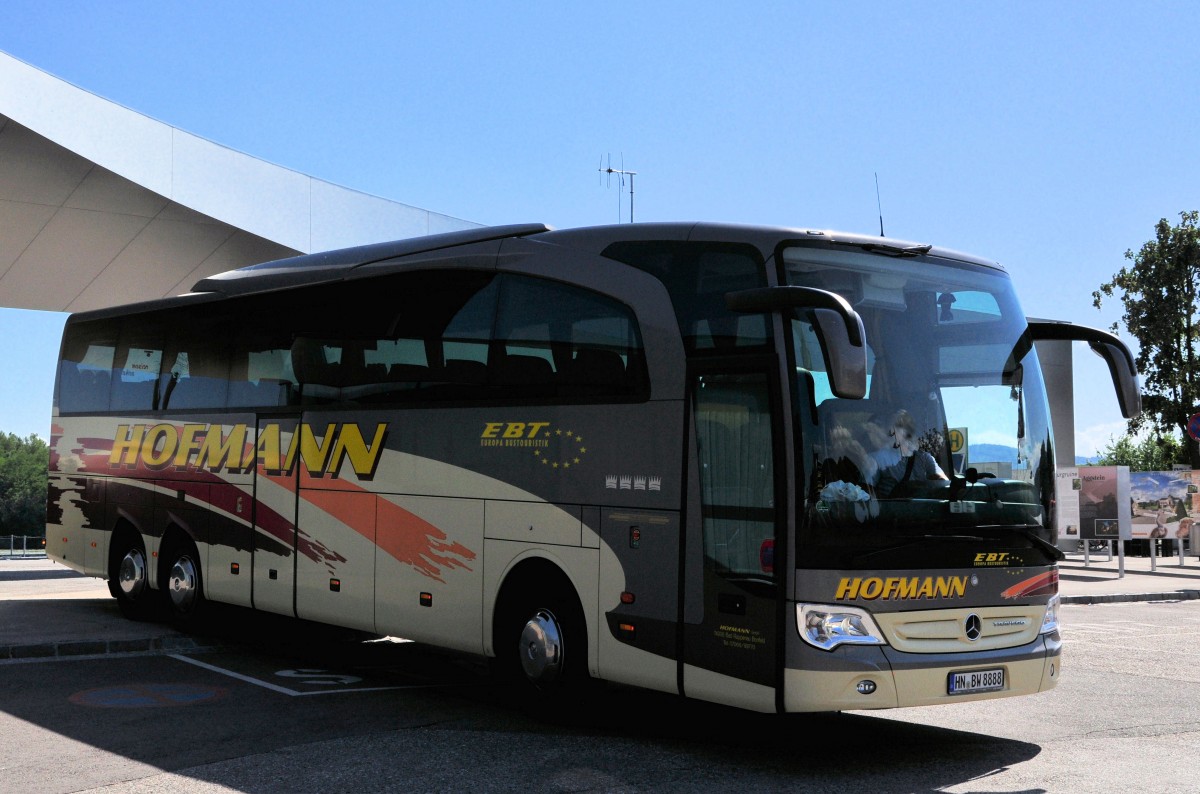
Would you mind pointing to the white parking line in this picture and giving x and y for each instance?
(285, 690)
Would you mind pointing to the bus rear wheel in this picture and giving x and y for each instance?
(129, 579)
(185, 584)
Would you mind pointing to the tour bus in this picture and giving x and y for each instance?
(672, 456)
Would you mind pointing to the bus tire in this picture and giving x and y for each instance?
(542, 647)
(129, 575)
(184, 584)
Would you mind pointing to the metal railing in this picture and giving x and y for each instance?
(22, 546)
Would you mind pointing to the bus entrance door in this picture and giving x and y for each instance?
(275, 488)
(731, 604)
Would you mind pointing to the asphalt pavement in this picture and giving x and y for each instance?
(49, 610)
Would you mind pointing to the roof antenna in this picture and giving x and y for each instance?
(621, 174)
(879, 204)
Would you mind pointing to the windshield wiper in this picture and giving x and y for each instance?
(915, 541)
(891, 249)
(1045, 545)
(1038, 540)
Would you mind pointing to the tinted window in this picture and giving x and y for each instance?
(427, 336)
(555, 340)
(85, 370)
(697, 276)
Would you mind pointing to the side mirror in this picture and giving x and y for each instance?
(1110, 348)
(840, 327)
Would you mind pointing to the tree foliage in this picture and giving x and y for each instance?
(1159, 292)
(23, 476)
(1151, 452)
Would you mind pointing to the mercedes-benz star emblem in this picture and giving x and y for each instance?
(973, 627)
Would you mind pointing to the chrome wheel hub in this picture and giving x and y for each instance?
(182, 585)
(131, 575)
(541, 648)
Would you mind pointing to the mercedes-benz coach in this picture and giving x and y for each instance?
(721, 461)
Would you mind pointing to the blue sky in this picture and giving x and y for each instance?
(1048, 136)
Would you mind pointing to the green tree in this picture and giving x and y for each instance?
(1159, 292)
(23, 476)
(1146, 453)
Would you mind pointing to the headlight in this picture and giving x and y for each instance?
(1050, 622)
(827, 627)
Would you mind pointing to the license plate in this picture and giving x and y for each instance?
(975, 681)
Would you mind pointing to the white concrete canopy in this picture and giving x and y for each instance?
(101, 205)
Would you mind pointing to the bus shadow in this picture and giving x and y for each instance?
(18, 575)
(822, 751)
(617, 739)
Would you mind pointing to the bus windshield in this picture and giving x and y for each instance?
(953, 438)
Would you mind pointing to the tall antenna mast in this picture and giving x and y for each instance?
(621, 174)
(879, 204)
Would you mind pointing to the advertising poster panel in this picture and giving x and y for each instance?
(1193, 478)
(1104, 505)
(1162, 503)
(1066, 502)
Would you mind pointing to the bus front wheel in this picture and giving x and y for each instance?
(542, 648)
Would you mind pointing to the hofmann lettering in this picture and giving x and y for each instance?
(235, 448)
(900, 588)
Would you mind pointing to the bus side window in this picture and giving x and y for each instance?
(84, 373)
(82, 388)
(261, 377)
(522, 374)
(465, 371)
(318, 367)
(595, 371)
(588, 343)
(135, 384)
(196, 369)
(734, 441)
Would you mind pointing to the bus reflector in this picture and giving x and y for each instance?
(426, 599)
(766, 555)
(335, 585)
(626, 598)
(628, 629)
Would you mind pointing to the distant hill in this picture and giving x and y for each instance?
(992, 453)
(1003, 454)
